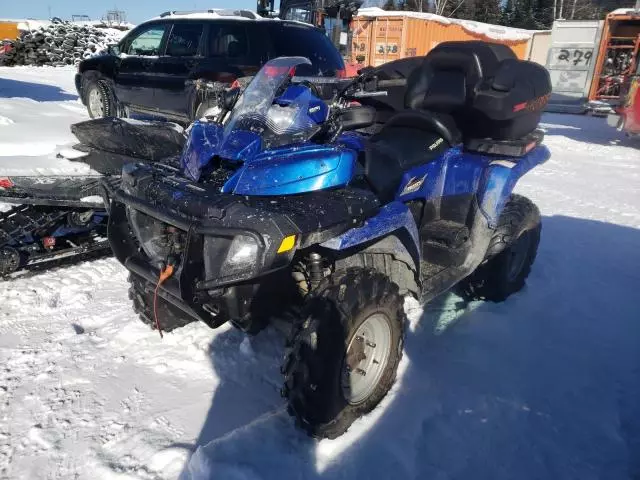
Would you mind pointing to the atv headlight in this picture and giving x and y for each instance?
(151, 234)
(241, 257)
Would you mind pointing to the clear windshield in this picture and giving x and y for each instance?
(266, 110)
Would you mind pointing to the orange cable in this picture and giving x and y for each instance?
(165, 273)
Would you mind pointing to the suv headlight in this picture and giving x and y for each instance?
(241, 257)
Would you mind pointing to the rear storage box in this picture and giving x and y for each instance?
(489, 92)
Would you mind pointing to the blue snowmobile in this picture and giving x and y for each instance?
(327, 215)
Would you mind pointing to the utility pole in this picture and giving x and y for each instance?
(49, 9)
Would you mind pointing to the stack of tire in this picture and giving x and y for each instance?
(58, 44)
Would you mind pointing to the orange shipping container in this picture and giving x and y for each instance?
(381, 36)
(9, 31)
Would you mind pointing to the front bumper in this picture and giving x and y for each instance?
(209, 222)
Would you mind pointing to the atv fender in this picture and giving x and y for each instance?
(389, 256)
(393, 232)
(500, 178)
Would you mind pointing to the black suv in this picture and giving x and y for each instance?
(165, 67)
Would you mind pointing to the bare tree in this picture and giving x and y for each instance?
(585, 10)
(442, 7)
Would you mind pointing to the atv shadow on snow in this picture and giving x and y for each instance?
(35, 91)
(541, 386)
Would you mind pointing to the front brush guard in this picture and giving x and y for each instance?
(184, 288)
(211, 221)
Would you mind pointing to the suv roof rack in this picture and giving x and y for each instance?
(222, 12)
(240, 13)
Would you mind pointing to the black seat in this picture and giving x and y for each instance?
(409, 139)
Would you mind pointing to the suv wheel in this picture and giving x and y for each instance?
(100, 100)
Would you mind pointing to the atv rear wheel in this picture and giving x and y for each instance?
(343, 352)
(510, 255)
(170, 317)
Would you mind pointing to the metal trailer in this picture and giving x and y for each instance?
(571, 63)
(592, 62)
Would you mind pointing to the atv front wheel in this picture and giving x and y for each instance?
(141, 295)
(344, 351)
(510, 255)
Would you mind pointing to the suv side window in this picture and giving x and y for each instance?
(147, 42)
(229, 41)
(184, 40)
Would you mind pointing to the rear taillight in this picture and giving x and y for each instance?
(5, 182)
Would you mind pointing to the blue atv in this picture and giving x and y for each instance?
(326, 215)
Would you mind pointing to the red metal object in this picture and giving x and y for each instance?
(49, 242)
(5, 182)
(629, 111)
(351, 70)
(5, 46)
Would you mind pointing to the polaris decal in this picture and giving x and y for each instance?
(413, 185)
(436, 144)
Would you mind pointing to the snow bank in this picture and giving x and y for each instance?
(37, 108)
(495, 32)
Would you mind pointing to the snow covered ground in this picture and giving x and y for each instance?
(545, 385)
(37, 105)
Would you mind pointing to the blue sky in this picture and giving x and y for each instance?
(136, 10)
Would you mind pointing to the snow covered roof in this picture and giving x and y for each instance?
(495, 32)
(625, 11)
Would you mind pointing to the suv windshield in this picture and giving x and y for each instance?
(292, 40)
